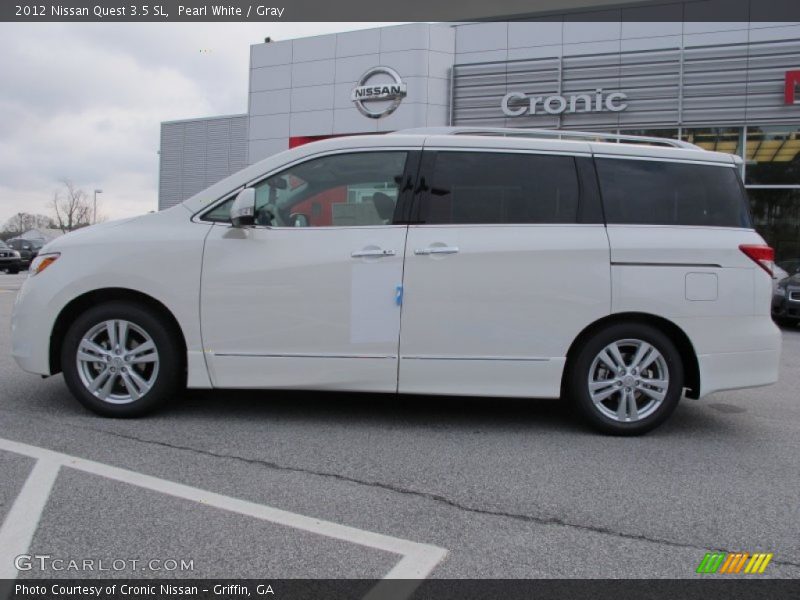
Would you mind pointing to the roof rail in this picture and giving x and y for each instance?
(548, 133)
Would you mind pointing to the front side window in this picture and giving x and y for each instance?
(655, 192)
(341, 190)
(495, 187)
(221, 213)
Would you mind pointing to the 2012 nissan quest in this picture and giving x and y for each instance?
(619, 275)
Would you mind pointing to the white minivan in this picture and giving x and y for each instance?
(618, 273)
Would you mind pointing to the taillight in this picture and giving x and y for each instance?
(762, 255)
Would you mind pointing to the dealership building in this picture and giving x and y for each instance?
(659, 70)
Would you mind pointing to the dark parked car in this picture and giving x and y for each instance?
(786, 301)
(791, 266)
(27, 249)
(9, 259)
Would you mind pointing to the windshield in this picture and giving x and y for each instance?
(4, 246)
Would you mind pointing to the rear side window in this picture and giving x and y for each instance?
(493, 187)
(666, 193)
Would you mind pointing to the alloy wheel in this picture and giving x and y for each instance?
(628, 380)
(117, 361)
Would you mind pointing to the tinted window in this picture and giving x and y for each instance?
(665, 193)
(221, 213)
(338, 190)
(492, 187)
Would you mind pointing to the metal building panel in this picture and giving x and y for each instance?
(197, 153)
(237, 144)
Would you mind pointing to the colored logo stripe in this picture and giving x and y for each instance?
(711, 562)
(733, 562)
(758, 563)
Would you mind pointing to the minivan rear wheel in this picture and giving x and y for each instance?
(626, 379)
(121, 360)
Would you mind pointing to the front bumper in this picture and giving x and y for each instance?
(6, 263)
(31, 323)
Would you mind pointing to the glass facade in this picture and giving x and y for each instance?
(776, 216)
(716, 139)
(772, 156)
(665, 133)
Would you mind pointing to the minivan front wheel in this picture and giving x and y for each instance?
(120, 360)
(627, 379)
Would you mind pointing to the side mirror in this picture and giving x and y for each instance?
(243, 208)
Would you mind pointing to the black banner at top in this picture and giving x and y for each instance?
(156, 11)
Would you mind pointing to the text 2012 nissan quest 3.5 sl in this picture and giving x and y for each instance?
(617, 273)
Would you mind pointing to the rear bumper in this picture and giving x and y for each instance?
(734, 352)
(735, 370)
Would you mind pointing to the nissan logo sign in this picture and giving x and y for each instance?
(515, 104)
(379, 92)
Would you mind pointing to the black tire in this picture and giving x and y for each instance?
(13, 270)
(170, 374)
(584, 365)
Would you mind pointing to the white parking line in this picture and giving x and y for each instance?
(417, 562)
(17, 530)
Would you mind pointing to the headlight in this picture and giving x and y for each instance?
(780, 291)
(15, 254)
(41, 262)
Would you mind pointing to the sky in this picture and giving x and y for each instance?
(85, 101)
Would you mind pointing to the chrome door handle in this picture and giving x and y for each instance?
(372, 253)
(436, 250)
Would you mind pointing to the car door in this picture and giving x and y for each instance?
(509, 261)
(310, 296)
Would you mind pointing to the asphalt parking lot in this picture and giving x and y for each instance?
(239, 482)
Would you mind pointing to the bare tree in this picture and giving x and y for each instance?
(71, 207)
(22, 222)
